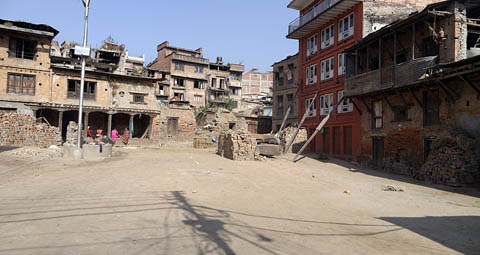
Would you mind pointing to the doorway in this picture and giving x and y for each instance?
(172, 127)
(378, 151)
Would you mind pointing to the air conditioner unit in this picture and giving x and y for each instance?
(310, 81)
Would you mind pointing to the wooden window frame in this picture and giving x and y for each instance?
(20, 89)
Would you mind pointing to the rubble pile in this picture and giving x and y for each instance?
(35, 152)
(72, 135)
(237, 145)
(288, 133)
(23, 130)
(452, 161)
(214, 123)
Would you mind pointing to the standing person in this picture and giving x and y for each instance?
(115, 135)
(125, 136)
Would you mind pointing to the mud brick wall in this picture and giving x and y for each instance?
(22, 130)
(237, 145)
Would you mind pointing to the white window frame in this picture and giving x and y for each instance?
(341, 64)
(312, 45)
(311, 74)
(327, 68)
(345, 33)
(313, 109)
(328, 36)
(326, 103)
(346, 105)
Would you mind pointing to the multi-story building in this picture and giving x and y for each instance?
(224, 84)
(255, 83)
(417, 81)
(324, 30)
(188, 71)
(285, 88)
(44, 80)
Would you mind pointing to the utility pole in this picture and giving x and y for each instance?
(84, 52)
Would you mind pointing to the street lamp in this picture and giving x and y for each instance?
(83, 51)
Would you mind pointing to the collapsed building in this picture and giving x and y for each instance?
(416, 82)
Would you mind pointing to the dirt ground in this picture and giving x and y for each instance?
(184, 201)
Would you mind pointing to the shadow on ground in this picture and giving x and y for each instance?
(460, 233)
(209, 230)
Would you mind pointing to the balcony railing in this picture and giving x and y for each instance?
(313, 13)
(404, 74)
(190, 59)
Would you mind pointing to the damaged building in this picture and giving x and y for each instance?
(44, 80)
(417, 82)
(285, 91)
(225, 88)
(195, 81)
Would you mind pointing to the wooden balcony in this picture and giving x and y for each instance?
(403, 74)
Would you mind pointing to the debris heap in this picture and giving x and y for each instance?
(237, 145)
(23, 130)
(452, 161)
(288, 133)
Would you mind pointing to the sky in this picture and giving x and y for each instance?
(251, 32)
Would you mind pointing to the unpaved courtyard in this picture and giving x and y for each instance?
(185, 201)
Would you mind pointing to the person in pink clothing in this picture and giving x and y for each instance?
(115, 135)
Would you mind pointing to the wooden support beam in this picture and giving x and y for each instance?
(356, 106)
(388, 101)
(366, 105)
(413, 40)
(443, 85)
(470, 83)
(401, 45)
(403, 98)
(416, 98)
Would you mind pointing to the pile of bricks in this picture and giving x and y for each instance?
(288, 133)
(72, 133)
(23, 130)
(237, 145)
(452, 161)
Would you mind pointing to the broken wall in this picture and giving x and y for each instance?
(406, 142)
(186, 122)
(237, 145)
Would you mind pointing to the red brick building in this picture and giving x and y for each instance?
(324, 30)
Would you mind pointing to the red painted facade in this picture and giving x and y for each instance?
(341, 135)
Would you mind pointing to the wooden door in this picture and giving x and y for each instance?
(378, 151)
(326, 140)
(172, 127)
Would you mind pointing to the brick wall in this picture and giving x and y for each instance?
(22, 130)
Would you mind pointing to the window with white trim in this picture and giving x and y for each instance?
(345, 27)
(346, 105)
(326, 103)
(313, 108)
(327, 36)
(311, 74)
(327, 69)
(312, 43)
(341, 64)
